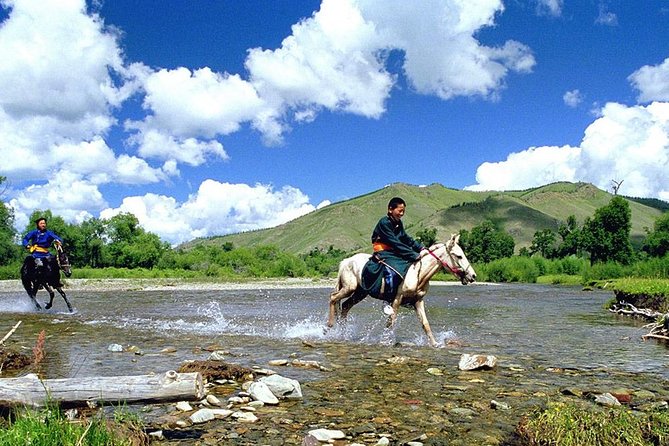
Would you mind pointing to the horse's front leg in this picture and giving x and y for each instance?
(62, 293)
(335, 297)
(49, 290)
(422, 317)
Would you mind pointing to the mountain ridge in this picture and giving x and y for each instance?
(347, 224)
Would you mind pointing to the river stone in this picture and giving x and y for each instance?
(326, 435)
(218, 355)
(213, 400)
(499, 405)
(245, 417)
(115, 348)
(202, 416)
(184, 406)
(474, 362)
(276, 362)
(261, 392)
(383, 441)
(221, 413)
(606, 399)
(283, 387)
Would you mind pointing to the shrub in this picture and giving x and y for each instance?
(576, 424)
(513, 269)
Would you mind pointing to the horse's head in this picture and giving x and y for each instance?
(454, 259)
(63, 261)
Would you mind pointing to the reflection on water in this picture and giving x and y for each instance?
(550, 325)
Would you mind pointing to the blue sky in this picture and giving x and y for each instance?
(207, 117)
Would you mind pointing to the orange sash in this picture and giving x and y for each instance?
(378, 246)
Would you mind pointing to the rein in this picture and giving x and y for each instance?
(454, 270)
(59, 250)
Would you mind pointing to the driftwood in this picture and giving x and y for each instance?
(631, 310)
(29, 390)
(11, 332)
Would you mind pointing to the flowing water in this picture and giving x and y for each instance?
(532, 329)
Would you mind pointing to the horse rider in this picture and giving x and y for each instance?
(394, 250)
(39, 240)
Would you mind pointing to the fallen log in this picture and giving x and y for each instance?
(30, 390)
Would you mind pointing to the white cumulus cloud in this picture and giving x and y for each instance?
(216, 208)
(626, 143)
(652, 81)
(573, 98)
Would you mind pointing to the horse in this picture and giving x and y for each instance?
(449, 256)
(46, 276)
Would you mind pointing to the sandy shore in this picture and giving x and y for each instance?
(185, 284)
(172, 284)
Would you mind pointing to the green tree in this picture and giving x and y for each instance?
(486, 243)
(606, 234)
(427, 236)
(91, 243)
(543, 243)
(8, 249)
(657, 241)
(571, 239)
(130, 246)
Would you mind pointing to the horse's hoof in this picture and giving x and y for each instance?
(47, 305)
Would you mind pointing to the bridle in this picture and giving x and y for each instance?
(455, 270)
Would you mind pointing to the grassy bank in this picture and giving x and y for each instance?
(49, 427)
(576, 425)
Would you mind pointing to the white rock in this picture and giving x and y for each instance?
(221, 413)
(157, 435)
(606, 399)
(245, 417)
(115, 348)
(473, 362)
(275, 362)
(202, 416)
(261, 392)
(211, 399)
(184, 406)
(283, 387)
(383, 441)
(327, 434)
(218, 355)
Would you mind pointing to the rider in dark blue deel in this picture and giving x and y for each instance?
(39, 240)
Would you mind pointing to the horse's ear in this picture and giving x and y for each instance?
(457, 238)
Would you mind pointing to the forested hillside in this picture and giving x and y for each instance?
(347, 225)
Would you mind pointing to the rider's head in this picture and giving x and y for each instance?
(396, 208)
(41, 223)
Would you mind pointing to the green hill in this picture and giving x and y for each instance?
(347, 225)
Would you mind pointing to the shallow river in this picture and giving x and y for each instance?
(532, 329)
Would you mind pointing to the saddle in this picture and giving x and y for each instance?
(380, 280)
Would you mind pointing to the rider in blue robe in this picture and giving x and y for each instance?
(39, 240)
(394, 252)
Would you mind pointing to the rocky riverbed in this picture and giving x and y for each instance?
(368, 393)
(393, 397)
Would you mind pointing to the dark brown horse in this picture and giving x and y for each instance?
(47, 276)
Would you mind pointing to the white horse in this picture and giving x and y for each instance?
(447, 255)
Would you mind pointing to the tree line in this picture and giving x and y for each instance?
(121, 243)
